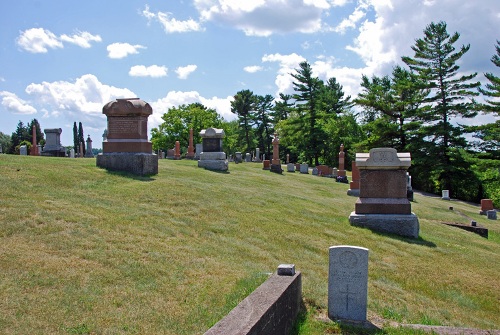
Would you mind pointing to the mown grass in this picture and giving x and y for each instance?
(87, 251)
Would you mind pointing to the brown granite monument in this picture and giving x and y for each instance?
(341, 170)
(190, 153)
(34, 147)
(126, 147)
(275, 162)
(383, 204)
(354, 184)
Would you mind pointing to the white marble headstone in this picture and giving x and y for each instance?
(348, 283)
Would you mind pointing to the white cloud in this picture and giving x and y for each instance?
(16, 105)
(86, 95)
(253, 68)
(184, 71)
(264, 18)
(287, 64)
(153, 71)
(38, 40)
(82, 39)
(170, 24)
(351, 21)
(122, 50)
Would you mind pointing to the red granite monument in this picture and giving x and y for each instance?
(190, 153)
(126, 147)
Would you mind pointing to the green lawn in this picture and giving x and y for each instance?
(86, 251)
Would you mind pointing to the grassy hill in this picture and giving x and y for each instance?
(86, 251)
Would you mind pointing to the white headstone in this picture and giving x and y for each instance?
(304, 168)
(72, 153)
(348, 283)
(23, 150)
(445, 194)
(290, 167)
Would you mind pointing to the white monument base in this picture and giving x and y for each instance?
(400, 224)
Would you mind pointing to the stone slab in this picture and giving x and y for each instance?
(213, 164)
(132, 146)
(348, 283)
(383, 158)
(491, 215)
(406, 225)
(270, 310)
(304, 168)
(137, 163)
(276, 168)
(290, 167)
(212, 155)
(353, 192)
(286, 270)
(481, 231)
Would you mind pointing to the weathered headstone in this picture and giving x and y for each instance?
(23, 150)
(198, 150)
(335, 173)
(492, 214)
(89, 153)
(304, 168)
(445, 194)
(348, 283)
(383, 204)
(290, 167)
(341, 171)
(127, 147)
(409, 189)
(486, 205)
(238, 158)
(297, 166)
(276, 163)
(354, 184)
(257, 155)
(190, 152)
(53, 145)
(266, 164)
(315, 171)
(324, 170)
(248, 157)
(72, 153)
(212, 157)
(287, 158)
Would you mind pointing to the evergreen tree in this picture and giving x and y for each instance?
(21, 134)
(38, 130)
(81, 139)
(243, 105)
(76, 146)
(450, 96)
(307, 97)
(263, 122)
(282, 108)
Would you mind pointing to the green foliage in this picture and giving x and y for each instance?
(81, 139)
(5, 142)
(243, 106)
(177, 122)
(24, 133)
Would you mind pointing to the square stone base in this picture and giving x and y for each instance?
(276, 168)
(400, 224)
(141, 164)
(213, 164)
(353, 192)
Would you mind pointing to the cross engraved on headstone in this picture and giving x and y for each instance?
(348, 283)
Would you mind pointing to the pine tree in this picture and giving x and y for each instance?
(76, 146)
(81, 139)
(243, 105)
(451, 96)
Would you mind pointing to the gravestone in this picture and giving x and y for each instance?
(304, 168)
(341, 171)
(34, 147)
(266, 164)
(190, 152)
(324, 170)
(290, 167)
(276, 163)
(445, 194)
(53, 145)
(89, 153)
(257, 155)
(126, 147)
(212, 157)
(335, 173)
(199, 149)
(72, 153)
(248, 158)
(238, 158)
(170, 153)
(383, 204)
(23, 150)
(347, 283)
(354, 184)
(297, 166)
(315, 171)
(287, 158)
(492, 214)
(177, 150)
(409, 189)
(486, 205)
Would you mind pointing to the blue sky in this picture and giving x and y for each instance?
(62, 60)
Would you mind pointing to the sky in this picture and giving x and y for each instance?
(61, 61)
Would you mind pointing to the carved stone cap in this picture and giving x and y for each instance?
(127, 107)
(383, 159)
(212, 133)
(53, 130)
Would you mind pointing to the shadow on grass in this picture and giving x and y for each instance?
(130, 175)
(218, 171)
(418, 241)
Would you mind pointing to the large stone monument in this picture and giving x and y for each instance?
(347, 283)
(34, 147)
(212, 157)
(354, 184)
(53, 145)
(383, 204)
(190, 153)
(126, 147)
(341, 171)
